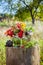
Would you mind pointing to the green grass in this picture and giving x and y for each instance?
(4, 23)
(3, 51)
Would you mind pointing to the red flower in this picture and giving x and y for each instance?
(20, 34)
(19, 25)
(9, 32)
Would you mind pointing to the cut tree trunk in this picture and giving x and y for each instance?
(22, 56)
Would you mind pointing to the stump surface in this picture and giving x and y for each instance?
(22, 56)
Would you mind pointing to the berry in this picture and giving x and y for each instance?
(26, 33)
(9, 43)
(22, 46)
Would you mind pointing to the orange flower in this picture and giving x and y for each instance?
(9, 33)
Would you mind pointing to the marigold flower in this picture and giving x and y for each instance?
(23, 25)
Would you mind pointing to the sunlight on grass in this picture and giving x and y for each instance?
(2, 50)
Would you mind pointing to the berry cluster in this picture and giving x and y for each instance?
(9, 43)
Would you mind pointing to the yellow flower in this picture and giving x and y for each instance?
(23, 25)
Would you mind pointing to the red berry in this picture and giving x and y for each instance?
(22, 46)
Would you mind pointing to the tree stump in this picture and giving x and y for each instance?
(22, 56)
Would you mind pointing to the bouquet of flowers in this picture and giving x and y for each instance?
(20, 34)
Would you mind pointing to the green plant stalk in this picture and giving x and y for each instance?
(21, 42)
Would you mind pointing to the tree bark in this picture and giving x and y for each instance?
(33, 19)
(22, 56)
(32, 16)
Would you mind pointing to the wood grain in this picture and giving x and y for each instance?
(22, 56)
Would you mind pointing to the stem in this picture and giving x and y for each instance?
(21, 42)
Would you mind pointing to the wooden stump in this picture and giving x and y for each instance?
(22, 56)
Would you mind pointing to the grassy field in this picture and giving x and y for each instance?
(2, 51)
